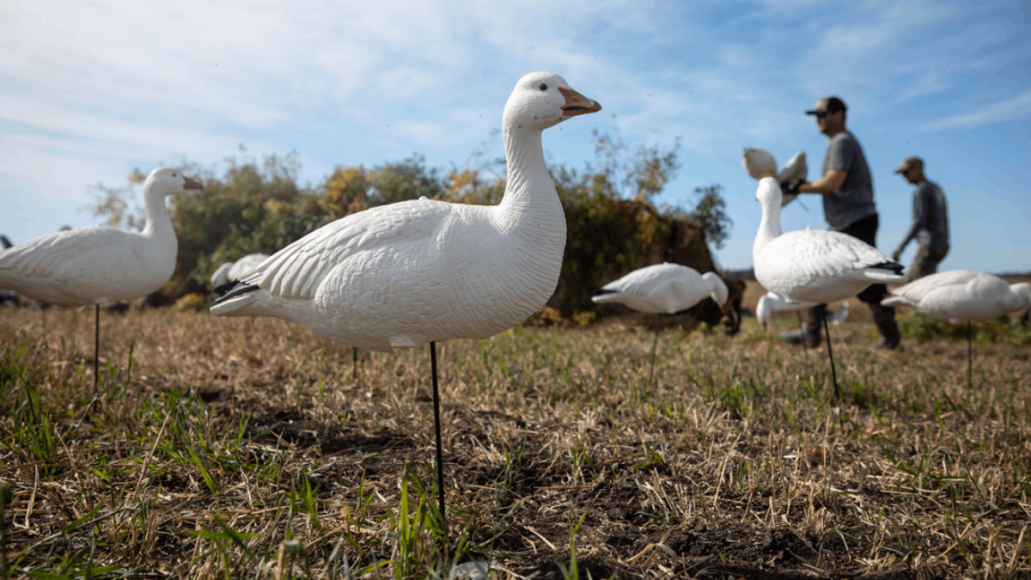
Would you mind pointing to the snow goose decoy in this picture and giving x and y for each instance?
(814, 265)
(230, 271)
(423, 271)
(772, 302)
(962, 296)
(101, 264)
(663, 289)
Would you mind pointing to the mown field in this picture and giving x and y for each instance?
(238, 448)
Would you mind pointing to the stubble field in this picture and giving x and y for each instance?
(240, 448)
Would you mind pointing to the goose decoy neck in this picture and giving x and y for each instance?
(528, 186)
(157, 222)
(769, 197)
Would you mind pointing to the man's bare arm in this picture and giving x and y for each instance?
(826, 185)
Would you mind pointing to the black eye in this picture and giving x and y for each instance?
(173, 175)
(543, 87)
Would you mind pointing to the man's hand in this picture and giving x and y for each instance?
(790, 187)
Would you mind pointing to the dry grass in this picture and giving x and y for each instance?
(244, 448)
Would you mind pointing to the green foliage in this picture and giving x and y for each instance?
(113, 203)
(710, 216)
(252, 208)
(639, 173)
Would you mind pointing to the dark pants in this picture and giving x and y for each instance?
(883, 316)
(926, 262)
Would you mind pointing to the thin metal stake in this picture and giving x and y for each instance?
(970, 364)
(436, 420)
(654, 344)
(96, 348)
(96, 366)
(354, 360)
(830, 353)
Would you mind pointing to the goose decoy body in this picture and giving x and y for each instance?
(659, 289)
(960, 296)
(423, 271)
(814, 265)
(97, 265)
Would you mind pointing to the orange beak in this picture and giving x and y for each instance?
(577, 104)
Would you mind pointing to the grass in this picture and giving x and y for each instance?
(246, 449)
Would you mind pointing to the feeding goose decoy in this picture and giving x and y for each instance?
(94, 266)
(659, 289)
(230, 271)
(815, 266)
(772, 302)
(424, 271)
(960, 296)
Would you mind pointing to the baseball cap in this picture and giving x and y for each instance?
(909, 163)
(831, 105)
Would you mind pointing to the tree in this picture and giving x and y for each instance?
(639, 173)
(710, 214)
(113, 203)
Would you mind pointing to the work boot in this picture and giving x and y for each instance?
(884, 318)
(810, 333)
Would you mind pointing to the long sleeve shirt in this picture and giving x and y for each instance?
(930, 217)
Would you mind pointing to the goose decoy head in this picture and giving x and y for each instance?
(168, 180)
(541, 100)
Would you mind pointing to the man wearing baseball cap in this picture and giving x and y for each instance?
(848, 206)
(930, 222)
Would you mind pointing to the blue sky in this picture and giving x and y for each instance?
(91, 90)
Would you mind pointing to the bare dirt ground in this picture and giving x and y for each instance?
(249, 448)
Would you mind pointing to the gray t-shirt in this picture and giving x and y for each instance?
(930, 217)
(854, 200)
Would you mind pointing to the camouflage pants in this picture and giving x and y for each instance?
(926, 262)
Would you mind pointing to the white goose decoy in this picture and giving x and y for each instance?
(420, 271)
(759, 163)
(772, 302)
(962, 296)
(663, 289)
(230, 271)
(814, 265)
(101, 264)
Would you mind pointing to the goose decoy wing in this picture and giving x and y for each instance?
(47, 256)
(299, 269)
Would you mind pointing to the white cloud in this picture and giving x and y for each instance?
(1018, 107)
(736, 57)
(844, 40)
(926, 84)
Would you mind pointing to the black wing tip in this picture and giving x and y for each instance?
(893, 266)
(232, 289)
(603, 292)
